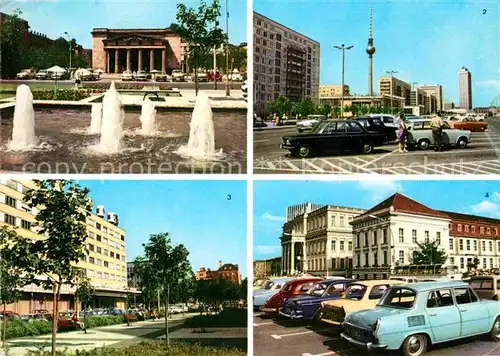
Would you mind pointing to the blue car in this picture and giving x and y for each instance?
(305, 306)
(414, 316)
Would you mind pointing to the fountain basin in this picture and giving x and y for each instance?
(62, 130)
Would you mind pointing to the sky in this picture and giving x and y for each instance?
(79, 17)
(272, 197)
(427, 42)
(198, 214)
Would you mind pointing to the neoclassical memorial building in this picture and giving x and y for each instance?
(117, 50)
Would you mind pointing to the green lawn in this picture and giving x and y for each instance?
(154, 348)
(6, 95)
(34, 86)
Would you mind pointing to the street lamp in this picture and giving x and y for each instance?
(342, 48)
(391, 73)
(70, 50)
(228, 93)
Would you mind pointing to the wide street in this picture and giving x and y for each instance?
(482, 156)
(275, 338)
(178, 85)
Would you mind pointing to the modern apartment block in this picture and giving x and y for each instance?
(395, 86)
(465, 89)
(319, 242)
(286, 62)
(295, 210)
(328, 91)
(436, 91)
(105, 265)
(386, 235)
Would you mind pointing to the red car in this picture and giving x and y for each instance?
(292, 288)
(210, 76)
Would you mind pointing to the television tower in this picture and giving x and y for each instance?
(370, 50)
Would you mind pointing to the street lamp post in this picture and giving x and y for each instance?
(342, 48)
(228, 92)
(391, 73)
(215, 68)
(70, 50)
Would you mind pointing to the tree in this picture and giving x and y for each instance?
(324, 109)
(199, 29)
(169, 265)
(11, 278)
(147, 281)
(63, 207)
(243, 289)
(474, 264)
(306, 107)
(336, 111)
(12, 44)
(282, 105)
(84, 293)
(428, 253)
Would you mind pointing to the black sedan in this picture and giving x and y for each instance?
(333, 136)
(375, 124)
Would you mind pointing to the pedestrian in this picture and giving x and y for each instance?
(437, 132)
(276, 119)
(402, 133)
(285, 117)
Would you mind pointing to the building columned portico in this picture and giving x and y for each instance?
(117, 50)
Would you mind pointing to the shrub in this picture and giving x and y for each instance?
(124, 86)
(105, 320)
(61, 94)
(18, 328)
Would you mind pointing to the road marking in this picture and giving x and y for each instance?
(323, 354)
(256, 141)
(260, 324)
(493, 349)
(477, 169)
(291, 165)
(321, 170)
(355, 165)
(337, 168)
(378, 158)
(279, 337)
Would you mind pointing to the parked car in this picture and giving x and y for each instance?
(178, 75)
(291, 288)
(127, 75)
(259, 283)
(141, 75)
(261, 296)
(358, 296)
(309, 123)
(486, 287)
(235, 76)
(306, 306)
(376, 124)
(420, 135)
(161, 77)
(210, 76)
(202, 76)
(469, 123)
(414, 316)
(26, 74)
(59, 75)
(405, 279)
(333, 136)
(9, 315)
(388, 120)
(42, 74)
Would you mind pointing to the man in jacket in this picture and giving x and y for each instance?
(437, 132)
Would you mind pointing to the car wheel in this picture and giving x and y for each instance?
(415, 345)
(367, 148)
(424, 144)
(495, 330)
(462, 142)
(304, 151)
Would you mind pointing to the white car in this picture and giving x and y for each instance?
(309, 123)
(236, 76)
(178, 75)
(127, 75)
(202, 76)
(388, 120)
(420, 135)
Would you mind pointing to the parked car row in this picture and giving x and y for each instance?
(394, 314)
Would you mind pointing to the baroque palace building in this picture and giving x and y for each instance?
(105, 264)
(370, 244)
(117, 50)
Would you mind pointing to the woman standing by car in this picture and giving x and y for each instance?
(402, 133)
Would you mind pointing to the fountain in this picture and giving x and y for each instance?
(112, 122)
(148, 117)
(96, 119)
(201, 143)
(23, 131)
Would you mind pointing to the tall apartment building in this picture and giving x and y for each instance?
(286, 62)
(396, 87)
(386, 235)
(293, 211)
(319, 242)
(436, 91)
(105, 265)
(329, 91)
(465, 89)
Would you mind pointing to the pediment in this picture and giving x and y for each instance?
(133, 40)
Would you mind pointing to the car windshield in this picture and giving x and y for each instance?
(355, 292)
(403, 298)
(318, 289)
(335, 289)
(127, 72)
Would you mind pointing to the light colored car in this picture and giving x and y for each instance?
(487, 287)
(420, 135)
(388, 120)
(141, 75)
(202, 76)
(404, 279)
(178, 75)
(161, 77)
(42, 74)
(358, 296)
(309, 123)
(261, 296)
(414, 316)
(127, 75)
(26, 74)
(235, 76)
